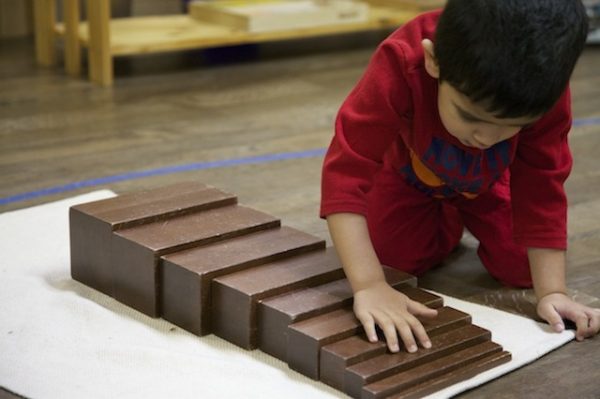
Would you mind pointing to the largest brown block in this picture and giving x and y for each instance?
(92, 224)
(137, 250)
(187, 275)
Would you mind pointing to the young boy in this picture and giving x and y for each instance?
(461, 119)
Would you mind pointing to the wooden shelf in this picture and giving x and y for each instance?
(145, 35)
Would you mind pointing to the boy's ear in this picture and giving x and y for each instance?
(431, 64)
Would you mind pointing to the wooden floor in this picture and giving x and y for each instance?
(192, 108)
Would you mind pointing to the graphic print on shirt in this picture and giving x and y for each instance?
(445, 170)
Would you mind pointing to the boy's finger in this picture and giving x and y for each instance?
(406, 335)
(550, 314)
(389, 331)
(369, 325)
(418, 309)
(419, 331)
(583, 329)
(594, 320)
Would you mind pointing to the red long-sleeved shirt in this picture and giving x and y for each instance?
(391, 115)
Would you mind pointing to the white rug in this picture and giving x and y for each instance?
(61, 339)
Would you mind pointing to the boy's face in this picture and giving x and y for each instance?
(471, 124)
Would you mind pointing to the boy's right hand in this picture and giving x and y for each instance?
(394, 313)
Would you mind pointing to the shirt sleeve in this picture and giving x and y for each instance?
(542, 164)
(366, 126)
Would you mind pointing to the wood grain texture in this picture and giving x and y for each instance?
(280, 97)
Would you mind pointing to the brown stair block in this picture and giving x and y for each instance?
(388, 364)
(190, 250)
(91, 224)
(136, 251)
(337, 357)
(277, 313)
(431, 370)
(306, 338)
(455, 376)
(186, 275)
(235, 296)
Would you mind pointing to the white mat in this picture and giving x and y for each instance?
(61, 339)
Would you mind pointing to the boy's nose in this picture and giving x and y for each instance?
(494, 135)
(487, 139)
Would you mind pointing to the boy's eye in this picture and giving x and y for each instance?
(468, 118)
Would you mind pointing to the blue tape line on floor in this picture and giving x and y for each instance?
(261, 159)
(195, 166)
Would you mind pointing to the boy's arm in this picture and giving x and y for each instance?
(549, 282)
(375, 302)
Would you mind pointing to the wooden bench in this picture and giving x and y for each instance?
(106, 38)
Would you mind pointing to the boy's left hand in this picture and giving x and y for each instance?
(557, 306)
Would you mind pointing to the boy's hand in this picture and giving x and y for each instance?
(394, 313)
(557, 306)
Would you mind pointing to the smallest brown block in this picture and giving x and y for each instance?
(389, 364)
(445, 380)
(420, 374)
(336, 358)
(306, 338)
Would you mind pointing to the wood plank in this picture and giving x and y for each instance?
(152, 34)
(44, 12)
(72, 45)
(99, 32)
(187, 275)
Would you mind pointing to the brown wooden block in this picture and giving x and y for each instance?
(234, 296)
(337, 357)
(92, 224)
(461, 374)
(187, 275)
(306, 338)
(136, 251)
(417, 375)
(277, 313)
(388, 364)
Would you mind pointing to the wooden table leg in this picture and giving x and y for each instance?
(72, 44)
(45, 20)
(100, 58)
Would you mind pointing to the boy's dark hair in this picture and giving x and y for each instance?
(515, 57)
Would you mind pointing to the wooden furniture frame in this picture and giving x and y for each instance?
(106, 38)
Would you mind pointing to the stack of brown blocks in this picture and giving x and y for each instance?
(190, 254)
